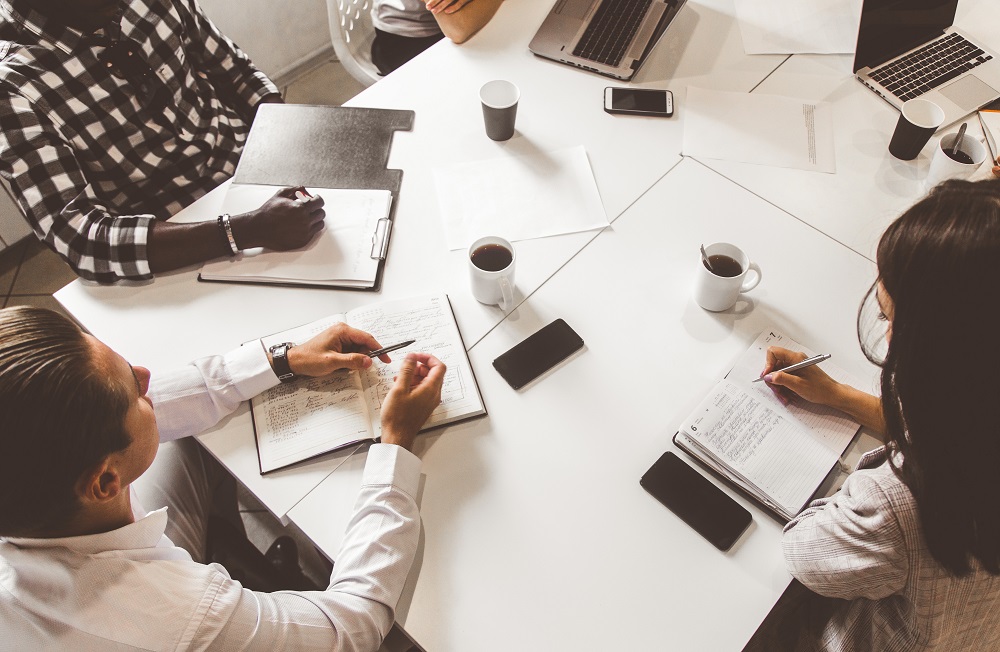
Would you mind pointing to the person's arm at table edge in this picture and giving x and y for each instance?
(460, 25)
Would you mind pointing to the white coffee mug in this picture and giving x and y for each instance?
(945, 167)
(493, 283)
(716, 293)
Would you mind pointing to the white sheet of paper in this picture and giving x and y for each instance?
(341, 253)
(771, 130)
(799, 26)
(519, 197)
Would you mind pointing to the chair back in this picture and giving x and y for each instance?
(352, 33)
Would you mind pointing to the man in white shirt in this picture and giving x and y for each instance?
(84, 566)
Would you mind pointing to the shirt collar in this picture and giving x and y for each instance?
(144, 533)
(45, 28)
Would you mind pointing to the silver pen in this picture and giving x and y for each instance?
(808, 362)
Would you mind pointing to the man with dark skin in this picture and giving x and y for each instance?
(116, 114)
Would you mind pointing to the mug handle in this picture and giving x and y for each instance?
(507, 294)
(747, 284)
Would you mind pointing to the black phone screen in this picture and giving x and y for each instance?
(647, 100)
(697, 501)
(538, 353)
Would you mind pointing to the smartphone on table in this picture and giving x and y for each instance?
(639, 101)
(696, 500)
(538, 353)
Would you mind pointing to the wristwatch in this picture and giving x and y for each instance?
(279, 361)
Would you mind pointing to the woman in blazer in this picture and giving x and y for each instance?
(906, 556)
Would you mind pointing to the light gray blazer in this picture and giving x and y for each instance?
(864, 545)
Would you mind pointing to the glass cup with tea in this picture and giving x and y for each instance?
(491, 271)
(723, 276)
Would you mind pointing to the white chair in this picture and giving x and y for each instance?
(352, 33)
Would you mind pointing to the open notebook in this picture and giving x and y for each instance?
(311, 416)
(345, 254)
(778, 454)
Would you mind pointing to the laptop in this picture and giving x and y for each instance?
(609, 37)
(909, 48)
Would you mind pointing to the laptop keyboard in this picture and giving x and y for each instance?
(611, 31)
(929, 67)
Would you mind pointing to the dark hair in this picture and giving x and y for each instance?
(59, 415)
(939, 264)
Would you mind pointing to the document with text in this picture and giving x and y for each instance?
(312, 416)
(773, 130)
(779, 454)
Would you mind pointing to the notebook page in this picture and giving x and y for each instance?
(832, 428)
(429, 321)
(339, 255)
(310, 416)
(758, 443)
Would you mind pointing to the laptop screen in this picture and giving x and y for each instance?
(891, 27)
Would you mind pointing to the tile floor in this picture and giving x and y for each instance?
(30, 273)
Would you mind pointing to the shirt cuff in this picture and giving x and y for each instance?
(393, 465)
(250, 370)
(257, 88)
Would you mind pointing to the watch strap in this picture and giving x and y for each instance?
(279, 361)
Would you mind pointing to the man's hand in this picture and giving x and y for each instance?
(284, 222)
(996, 167)
(447, 6)
(414, 395)
(338, 347)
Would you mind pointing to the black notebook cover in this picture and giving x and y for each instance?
(326, 147)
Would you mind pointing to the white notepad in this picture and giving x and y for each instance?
(779, 454)
(346, 253)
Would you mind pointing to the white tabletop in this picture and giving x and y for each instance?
(176, 318)
(536, 534)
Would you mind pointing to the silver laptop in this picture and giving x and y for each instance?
(909, 48)
(610, 37)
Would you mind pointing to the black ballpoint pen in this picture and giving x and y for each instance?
(388, 349)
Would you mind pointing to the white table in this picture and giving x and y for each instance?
(176, 318)
(536, 533)
(871, 187)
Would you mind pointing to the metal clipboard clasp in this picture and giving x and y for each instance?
(380, 239)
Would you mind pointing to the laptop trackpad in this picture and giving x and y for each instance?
(970, 92)
(573, 8)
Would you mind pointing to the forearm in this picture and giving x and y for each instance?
(172, 245)
(464, 23)
(861, 406)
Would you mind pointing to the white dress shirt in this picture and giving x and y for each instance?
(132, 589)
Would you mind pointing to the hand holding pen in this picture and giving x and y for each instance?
(807, 381)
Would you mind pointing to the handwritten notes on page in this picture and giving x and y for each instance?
(312, 416)
(779, 453)
(799, 26)
(771, 130)
(519, 197)
(341, 255)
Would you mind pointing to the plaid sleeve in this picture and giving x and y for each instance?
(50, 188)
(225, 62)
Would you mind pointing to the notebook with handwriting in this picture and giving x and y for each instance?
(778, 454)
(312, 416)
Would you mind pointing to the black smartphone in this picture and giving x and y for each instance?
(698, 502)
(639, 101)
(538, 353)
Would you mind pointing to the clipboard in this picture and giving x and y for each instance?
(327, 147)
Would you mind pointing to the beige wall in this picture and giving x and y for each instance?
(279, 35)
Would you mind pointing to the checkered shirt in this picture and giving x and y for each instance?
(88, 161)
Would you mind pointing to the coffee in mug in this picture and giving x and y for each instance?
(491, 257)
(491, 271)
(722, 265)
